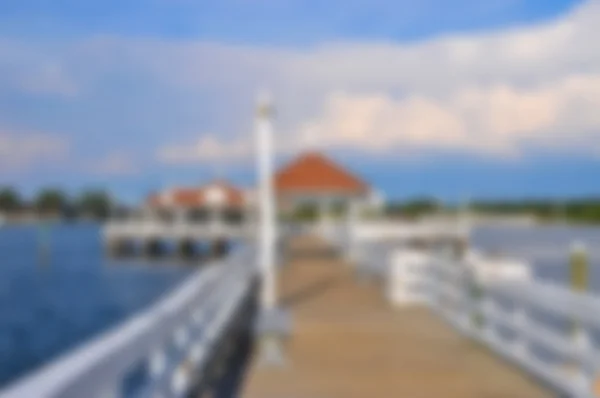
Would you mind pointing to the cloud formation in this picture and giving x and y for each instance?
(208, 149)
(504, 93)
(24, 150)
(500, 120)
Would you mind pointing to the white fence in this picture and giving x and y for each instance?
(175, 341)
(497, 302)
(378, 231)
(149, 228)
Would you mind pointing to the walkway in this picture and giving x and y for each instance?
(347, 342)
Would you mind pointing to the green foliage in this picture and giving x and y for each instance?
(338, 209)
(51, 200)
(10, 200)
(580, 211)
(575, 211)
(95, 203)
(306, 212)
(413, 208)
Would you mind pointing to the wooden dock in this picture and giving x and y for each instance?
(348, 342)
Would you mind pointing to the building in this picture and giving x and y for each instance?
(310, 180)
(219, 200)
(221, 212)
(314, 181)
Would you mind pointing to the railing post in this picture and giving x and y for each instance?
(476, 296)
(158, 363)
(181, 337)
(489, 310)
(520, 322)
(351, 243)
(437, 279)
(181, 377)
(579, 281)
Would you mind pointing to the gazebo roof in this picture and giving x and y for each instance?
(314, 173)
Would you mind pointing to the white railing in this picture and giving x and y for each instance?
(381, 230)
(174, 341)
(151, 228)
(496, 302)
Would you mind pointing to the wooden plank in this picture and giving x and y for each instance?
(347, 342)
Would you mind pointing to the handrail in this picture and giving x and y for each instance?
(578, 370)
(99, 367)
(495, 301)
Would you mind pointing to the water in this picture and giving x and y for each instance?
(547, 248)
(49, 304)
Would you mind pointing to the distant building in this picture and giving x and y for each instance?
(220, 211)
(202, 202)
(314, 180)
(309, 180)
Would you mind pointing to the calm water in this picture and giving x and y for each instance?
(48, 307)
(546, 248)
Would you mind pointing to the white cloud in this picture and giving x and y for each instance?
(207, 149)
(23, 150)
(115, 163)
(499, 120)
(502, 93)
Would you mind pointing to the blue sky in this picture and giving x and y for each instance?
(267, 21)
(460, 98)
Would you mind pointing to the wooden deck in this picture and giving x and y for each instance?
(347, 342)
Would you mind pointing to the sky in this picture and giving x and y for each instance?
(452, 99)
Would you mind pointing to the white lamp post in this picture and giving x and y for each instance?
(273, 323)
(264, 132)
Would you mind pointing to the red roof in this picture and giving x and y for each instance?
(313, 172)
(199, 197)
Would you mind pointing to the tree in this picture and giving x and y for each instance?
(51, 201)
(95, 203)
(9, 200)
(413, 208)
(306, 212)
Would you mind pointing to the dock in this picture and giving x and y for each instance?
(322, 296)
(349, 342)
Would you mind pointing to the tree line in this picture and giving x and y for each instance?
(52, 201)
(585, 210)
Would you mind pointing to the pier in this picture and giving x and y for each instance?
(182, 223)
(348, 341)
(345, 305)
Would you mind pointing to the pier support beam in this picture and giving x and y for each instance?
(188, 249)
(121, 248)
(219, 247)
(155, 248)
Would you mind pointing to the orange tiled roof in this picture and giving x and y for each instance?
(314, 172)
(197, 197)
